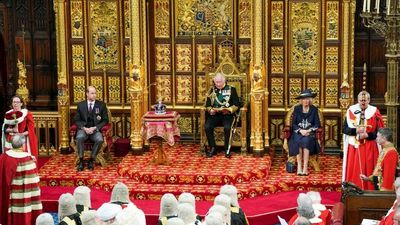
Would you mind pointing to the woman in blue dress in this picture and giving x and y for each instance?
(305, 122)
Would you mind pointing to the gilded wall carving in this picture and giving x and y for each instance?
(127, 58)
(78, 58)
(76, 19)
(277, 91)
(104, 35)
(183, 58)
(114, 89)
(314, 84)
(204, 57)
(185, 124)
(276, 128)
(204, 17)
(331, 133)
(184, 89)
(127, 19)
(163, 57)
(331, 93)
(305, 32)
(117, 126)
(97, 82)
(277, 59)
(295, 88)
(244, 56)
(201, 89)
(79, 88)
(245, 16)
(277, 20)
(163, 88)
(332, 20)
(161, 18)
(332, 60)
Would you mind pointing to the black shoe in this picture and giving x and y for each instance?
(227, 153)
(212, 152)
(80, 165)
(90, 164)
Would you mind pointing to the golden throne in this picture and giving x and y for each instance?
(104, 151)
(287, 131)
(238, 80)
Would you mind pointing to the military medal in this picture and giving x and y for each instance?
(98, 117)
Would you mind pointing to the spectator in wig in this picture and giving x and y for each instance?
(168, 208)
(238, 217)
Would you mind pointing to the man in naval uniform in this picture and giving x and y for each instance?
(222, 102)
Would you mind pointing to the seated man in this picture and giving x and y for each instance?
(90, 117)
(222, 101)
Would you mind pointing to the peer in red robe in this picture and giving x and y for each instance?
(360, 149)
(19, 193)
(21, 121)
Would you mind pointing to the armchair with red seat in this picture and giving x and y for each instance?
(287, 131)
(104, 151)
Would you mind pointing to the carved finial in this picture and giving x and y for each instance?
(22, 89)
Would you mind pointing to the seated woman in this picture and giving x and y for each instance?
(305, 123)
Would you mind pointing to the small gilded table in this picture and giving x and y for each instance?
(163, 126)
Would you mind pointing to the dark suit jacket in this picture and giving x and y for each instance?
(100, 114)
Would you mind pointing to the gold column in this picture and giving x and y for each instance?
(135, 86)
(257, 92)
(62, 84)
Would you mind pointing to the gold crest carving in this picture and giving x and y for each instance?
(185, 124)
(163, 57)
(201, 89)
(332, 60)
(245, 18)
(244, 56)
(161, 18)
(163, 88)
(183, 58)
(184, 89)
(277, 91)
(114, 89)
(78, 58)
(79, 88)
(204, 17)
(304, 31)
(277, 59)
(104, 35)
(204, 57)
(331, 93)
(314, 85)
(295, 88)
(76, 19)
(332, 20)
(277, 20)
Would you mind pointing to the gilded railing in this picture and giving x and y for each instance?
(46, 127)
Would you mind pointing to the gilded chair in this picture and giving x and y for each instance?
(104, 151)
(287, 131)
(238, 80)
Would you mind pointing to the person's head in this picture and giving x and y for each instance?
(384, 135)
(186, 213)
(230, 191)
(120, 193)
(305, 97)
(304, 206)
(175, 221)
(187, 197)
(168, 205)
(363, 99)
(128, 216)
(214, 218)
(17, 102)
(225, 201)
(91, 93)
(219, 80)
(82, 196)
(18, 141)
(302, 221)
(107, 212)
(89, 217)
(316, 200)
(221, 212)
(45, 219)
(66, 206)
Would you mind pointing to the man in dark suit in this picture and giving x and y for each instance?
(222, 102)
(90, 117)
